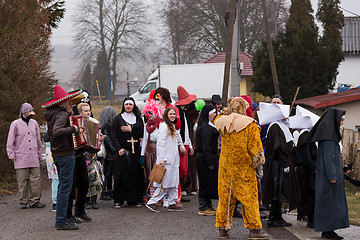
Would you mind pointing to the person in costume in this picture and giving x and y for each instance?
(162, 95)
(186, 148)
(51, 169)
(79, 188)
(128, 174)
(106, 118)
(93, 166)
(241, 155)
(305, 158)
(331, 211)
(190, 182)
(280, 183)
(207, 160)
(153, 112)
(57, 113)
(167, 156)
(24, 149)
(217, 102)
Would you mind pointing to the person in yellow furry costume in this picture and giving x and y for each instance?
(241, 158)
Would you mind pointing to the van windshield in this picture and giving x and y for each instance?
(148, 87)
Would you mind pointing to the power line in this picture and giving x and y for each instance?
(357, 15)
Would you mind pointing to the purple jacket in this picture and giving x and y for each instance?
(24, 143)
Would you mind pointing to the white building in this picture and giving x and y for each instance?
(349, 69)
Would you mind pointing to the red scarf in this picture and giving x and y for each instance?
(150, 127)
(152, 124)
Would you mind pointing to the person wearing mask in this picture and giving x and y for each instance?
(24, 149)
(153, 112)
(240, 159)
(162, 95)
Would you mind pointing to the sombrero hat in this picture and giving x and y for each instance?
(60, 96)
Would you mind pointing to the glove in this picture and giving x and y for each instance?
(142, 159)
(287, 170)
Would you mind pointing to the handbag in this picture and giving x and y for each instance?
(157, 175)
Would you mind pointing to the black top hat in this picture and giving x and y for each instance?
(216, 99)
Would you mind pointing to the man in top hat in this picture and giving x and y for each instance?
(58, 110)
(217, 102)
(186, 146)
(24, 149)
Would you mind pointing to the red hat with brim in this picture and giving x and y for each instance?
(184, 97)
(60, 96)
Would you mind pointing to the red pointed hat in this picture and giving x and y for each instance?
(60, 96)
(184, 97)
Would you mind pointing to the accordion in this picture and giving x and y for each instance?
(88, 136)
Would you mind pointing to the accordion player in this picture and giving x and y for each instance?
(88, 136)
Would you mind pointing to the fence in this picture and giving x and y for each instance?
(351, 150)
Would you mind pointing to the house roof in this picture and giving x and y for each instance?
(331, 99)
(245, 58)
(350, 34)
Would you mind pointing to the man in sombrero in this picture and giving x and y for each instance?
(57, 112)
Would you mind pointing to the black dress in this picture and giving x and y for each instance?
(206, 156)
(128, 174)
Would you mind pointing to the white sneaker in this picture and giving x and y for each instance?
(183, 193)
(165, 203)
(193, 193)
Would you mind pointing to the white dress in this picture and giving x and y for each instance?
(167, 151)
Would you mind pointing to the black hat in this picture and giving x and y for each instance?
(216, 99)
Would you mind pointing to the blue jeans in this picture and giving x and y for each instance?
(65, 166)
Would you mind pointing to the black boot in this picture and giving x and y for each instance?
(94, 203)
(105, 196)
(330, 235)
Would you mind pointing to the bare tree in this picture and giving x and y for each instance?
(197, 28)
(114, 27)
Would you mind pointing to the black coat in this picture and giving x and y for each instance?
(111, 152)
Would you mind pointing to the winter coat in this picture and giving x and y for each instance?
(59, 131)
(24, 143)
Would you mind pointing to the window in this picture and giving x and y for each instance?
(148, 87)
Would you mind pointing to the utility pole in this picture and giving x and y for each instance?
(270, 48)
(235, 53)
(228, 50)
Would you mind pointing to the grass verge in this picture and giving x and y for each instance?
(8, 186)
(353, 201)
(97, 107)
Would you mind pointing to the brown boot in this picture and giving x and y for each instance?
(223, 234)
(257, 235)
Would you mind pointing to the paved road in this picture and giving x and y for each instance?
(132, 223)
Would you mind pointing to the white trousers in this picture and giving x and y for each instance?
(160, 193)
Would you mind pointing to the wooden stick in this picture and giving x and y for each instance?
(295, 96)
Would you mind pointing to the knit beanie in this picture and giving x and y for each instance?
(25, 107)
